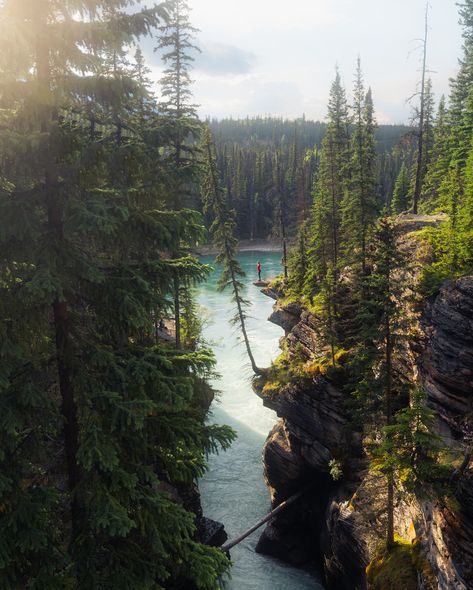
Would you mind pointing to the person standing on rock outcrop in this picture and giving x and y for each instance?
(258, 268)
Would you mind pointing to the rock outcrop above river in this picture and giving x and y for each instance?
(446, 360)
(445, 363)
(339, 522)
(286, 317)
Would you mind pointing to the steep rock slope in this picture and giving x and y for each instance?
(339, 523)
(445, 363)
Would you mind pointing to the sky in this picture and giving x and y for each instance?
(278, 57)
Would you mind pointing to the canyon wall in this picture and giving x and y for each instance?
(340, 521)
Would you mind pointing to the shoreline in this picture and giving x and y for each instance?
(243, 246)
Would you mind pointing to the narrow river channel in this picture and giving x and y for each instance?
(233, 490)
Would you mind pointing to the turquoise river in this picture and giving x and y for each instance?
(233, 490)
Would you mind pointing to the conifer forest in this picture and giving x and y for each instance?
(122, 207)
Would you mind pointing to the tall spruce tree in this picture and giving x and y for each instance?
(95, 415)
(425, 106)
(425, 144)
(280, 208)
(177, 39)
(360, 204)
(329, 190)
(399, 202)
(177, 42)
(382, 333)
(411, 449)
(298, 261)
(146, 102)
(438, 164)
(326, 256)
(452, 242)
(450, 172)
(460, 118)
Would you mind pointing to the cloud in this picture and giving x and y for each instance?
(220, 59)
(248, 95)
(250, 15)
(265, 56)
(273, 97)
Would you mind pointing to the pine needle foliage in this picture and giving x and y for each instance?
(382, 334)
(96, 415)
(180, 123)
(448, 177)
(325, 246)
(399, 202)
(222, 229)
(360, 204)
(177, 46)
(298, 261)
(412, 449)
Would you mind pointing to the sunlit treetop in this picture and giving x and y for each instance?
(73, 32)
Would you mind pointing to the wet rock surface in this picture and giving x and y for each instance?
(210, 532)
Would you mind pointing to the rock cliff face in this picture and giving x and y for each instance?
(445, 363)
(339, 522)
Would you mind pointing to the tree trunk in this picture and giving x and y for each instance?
(334, 204)
(68, 406)
(459, 472)
(177, 312)
(420, 150)
(390, 505)
(331, 313)
(60, 308)
(256, 369)
(390, 476)
(362, 201)
(283, 234)
(282, 212)
(284, 256)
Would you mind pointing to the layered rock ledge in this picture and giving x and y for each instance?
(339, 523)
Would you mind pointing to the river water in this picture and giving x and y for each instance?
(233, 490)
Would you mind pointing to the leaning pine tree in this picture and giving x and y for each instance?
(96, 418)
(223, 230)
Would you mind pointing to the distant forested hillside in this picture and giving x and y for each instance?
(269, 164)
(275, 130)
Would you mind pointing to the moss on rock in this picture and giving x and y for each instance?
(399, 568)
